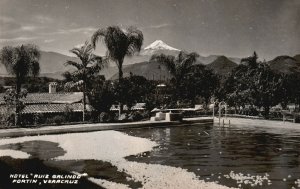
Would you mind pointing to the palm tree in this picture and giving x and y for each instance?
(21, 61)
(178, 66)
(119, 43)
(90, 64)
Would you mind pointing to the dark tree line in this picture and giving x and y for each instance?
(22, 62)
(189, 81)
(254, 83)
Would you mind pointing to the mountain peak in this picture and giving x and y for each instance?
(160, 45)
(223, 58)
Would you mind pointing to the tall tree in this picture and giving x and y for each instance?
(90, 64)
(178, 67)
(20, 61)
(133, 89)
(200, 82)
(235, 90)
(119, 43)
(254, 83)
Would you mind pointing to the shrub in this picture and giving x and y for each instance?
(69, 114)
(135, 116)
(104, 117)
(39, 119)
(7, 117)
(58, 119)
(146, 115)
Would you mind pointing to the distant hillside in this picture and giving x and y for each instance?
(150, 70)
(54, 75)
(285, 64)
(222, 65)
(108, 72)
(297, 57)
(156, 71)
(51, 64)
(209, 59)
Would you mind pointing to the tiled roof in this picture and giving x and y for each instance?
(50, 108)
(45, 98)
(53, 108)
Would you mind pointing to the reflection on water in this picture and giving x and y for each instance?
(212, 152)
(37, 149)
(40, 162)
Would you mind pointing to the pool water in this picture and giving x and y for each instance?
(243, 156)
(246, 157)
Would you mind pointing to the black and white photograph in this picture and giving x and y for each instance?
(149, 94)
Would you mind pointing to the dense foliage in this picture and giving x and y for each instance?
(101, 94)
(32, 84)
(200, 83)
(119, 43)
(179, 67)
(20, 61)
(254, 83)
(89, 66)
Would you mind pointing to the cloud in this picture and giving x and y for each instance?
(5, 19)
(17, 39)
(158, 26)
(48, 40)
(29, 28)
(13, 30)
(84, 30)
(8, 24)
(43, 19)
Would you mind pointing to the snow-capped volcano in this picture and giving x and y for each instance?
(160, 45)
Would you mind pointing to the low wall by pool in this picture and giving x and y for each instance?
(17, 132)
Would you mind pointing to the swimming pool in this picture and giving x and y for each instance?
(235, 156)
(245, 156)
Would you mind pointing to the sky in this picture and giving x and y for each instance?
(233, 28)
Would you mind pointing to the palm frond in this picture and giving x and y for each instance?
(67, 76)
(72, 85)
(96, 63)
(116, 42)
(135, 40)
(87, 48)
(101, 33)
(190, 59)
(167, 60)
(77, 52)
(78, 74)
(75, 64)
